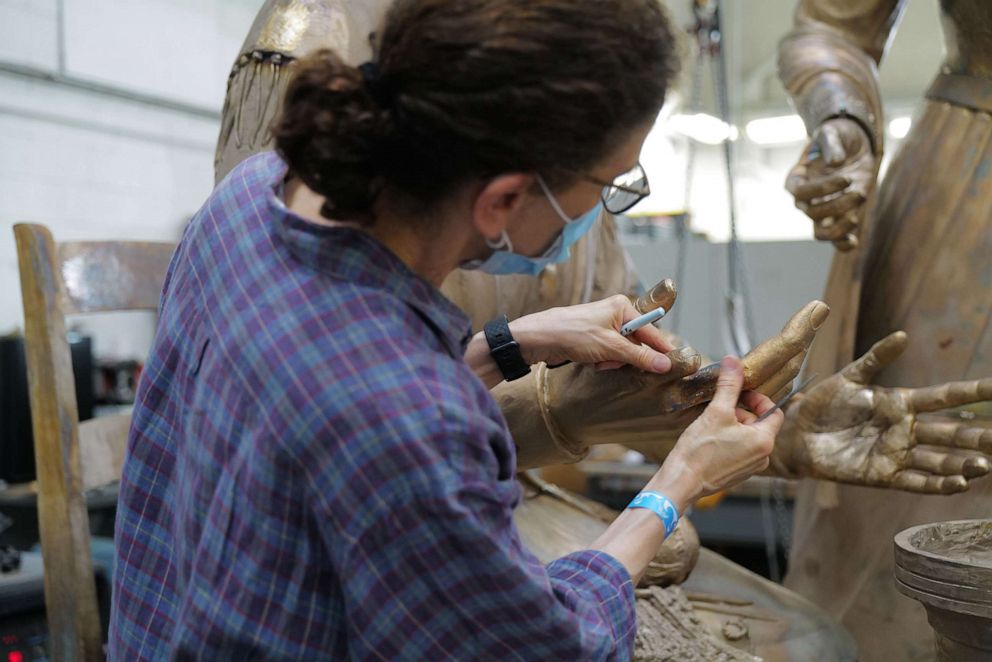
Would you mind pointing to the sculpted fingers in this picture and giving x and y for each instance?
(924, 483)
(685, 361)
(953, 394)
(955, 435)
(882, 353)
(662, 295)
(806, 190)
(848, 243)
(948, 463)
(776, 357)
(781, 381)
(835, 207)
(771, 356)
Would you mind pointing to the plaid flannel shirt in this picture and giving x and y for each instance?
(313, 472)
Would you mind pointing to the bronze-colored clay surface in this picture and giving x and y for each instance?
(922, 266)
(662, 295)
(668, 628)
(963, 542)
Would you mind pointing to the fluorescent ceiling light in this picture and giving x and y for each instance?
(899, 127)
(703, 128)
(776, 130)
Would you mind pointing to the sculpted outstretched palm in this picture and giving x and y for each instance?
(847, 430)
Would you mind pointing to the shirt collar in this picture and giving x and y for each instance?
(354, 256)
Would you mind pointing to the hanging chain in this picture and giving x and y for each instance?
(740, 321)
(708, 35)
(682, 228)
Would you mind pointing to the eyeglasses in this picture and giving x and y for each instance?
(625, 191)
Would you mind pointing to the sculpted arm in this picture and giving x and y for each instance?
(828, 65)
(284, 31)
(844, 429)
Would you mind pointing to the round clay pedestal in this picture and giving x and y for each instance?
(948, 567)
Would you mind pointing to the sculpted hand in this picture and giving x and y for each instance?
(769, 368)
(647, 411)
(832, 180)
(850, 431)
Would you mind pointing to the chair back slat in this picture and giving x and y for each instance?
(101, 276)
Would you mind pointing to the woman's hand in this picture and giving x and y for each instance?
(721, 448)
(725, 445)
(590, 334)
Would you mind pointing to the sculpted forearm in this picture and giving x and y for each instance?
(828, 62)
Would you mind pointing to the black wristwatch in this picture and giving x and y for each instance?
(505, 350)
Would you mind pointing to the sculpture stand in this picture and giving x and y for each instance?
(948, 568)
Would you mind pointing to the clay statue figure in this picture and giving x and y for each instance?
(913, 254)
(844, 429)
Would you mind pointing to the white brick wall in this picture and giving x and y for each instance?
(93, 166)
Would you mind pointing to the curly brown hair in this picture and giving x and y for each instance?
(469, 89)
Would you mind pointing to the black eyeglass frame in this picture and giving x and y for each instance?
(610, 189)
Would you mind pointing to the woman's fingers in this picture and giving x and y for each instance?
(640, 356)
(761, 405)
(757, 403)
(744, 417)
(728, 385)
(652, 337)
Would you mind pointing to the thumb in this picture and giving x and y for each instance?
(729, 384)
(876, 359)
(831, 145)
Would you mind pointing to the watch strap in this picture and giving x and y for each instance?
(505, 350)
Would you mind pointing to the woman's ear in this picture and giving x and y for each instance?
(498, 202)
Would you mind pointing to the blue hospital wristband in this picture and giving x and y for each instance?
(661, 506)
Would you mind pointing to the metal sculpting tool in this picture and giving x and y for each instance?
(785, 400)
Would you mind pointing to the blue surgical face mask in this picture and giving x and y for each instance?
(504, 261)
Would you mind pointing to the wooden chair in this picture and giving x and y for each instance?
(59, 280)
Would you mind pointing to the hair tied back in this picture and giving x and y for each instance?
(375, 85)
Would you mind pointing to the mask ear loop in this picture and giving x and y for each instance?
(554, 202)
(502, 244)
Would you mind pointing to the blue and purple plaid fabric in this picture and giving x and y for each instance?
(314, 473)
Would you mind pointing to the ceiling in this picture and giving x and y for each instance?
(754, 27)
